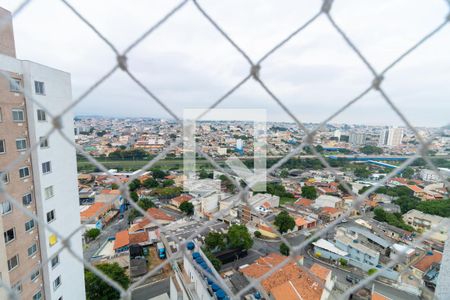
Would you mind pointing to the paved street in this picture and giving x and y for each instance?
(151, 290)
(108, 231)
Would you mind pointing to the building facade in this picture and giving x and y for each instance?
(43, 180)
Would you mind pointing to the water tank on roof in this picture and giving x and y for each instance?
(195, 255)
(215, 287)
(257, 295)
(220, 294)
(190, 246)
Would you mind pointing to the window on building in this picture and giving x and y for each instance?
(5, 207)
(17, 287)
(27, 199)
(48, 191)
(9, 235)
(54, 261)
(32, 250)
(24, 172)
(34, 275)
(51, 216)
(37, 296)
(18, 115)
(39, 87)
(57, 282)
(21, 144)
(29, 225)
(5, 177)
(13, 262)
(43, 142)
(14, 85)
(2, 146)
(46, 167)
(41, 115)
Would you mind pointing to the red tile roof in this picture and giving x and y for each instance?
(415, 188)
(111, 192)
(330, 210)
(138, 237)
(320, 271)
(304, 202)
(122, 239)
(289, 282)
(159, 214)
(181, 199)
(428, 260)
(300, 222)
(95, 209)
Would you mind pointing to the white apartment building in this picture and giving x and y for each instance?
(49, 175)
(391, 137)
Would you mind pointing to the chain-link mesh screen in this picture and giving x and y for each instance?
(254, 67)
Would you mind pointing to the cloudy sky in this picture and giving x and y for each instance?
(188, 64)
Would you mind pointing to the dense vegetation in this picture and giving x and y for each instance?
(371, 150)
(284, 222)
(98, 289)
(236, 237)
(394, 219)
(309, 192)
(187, 207)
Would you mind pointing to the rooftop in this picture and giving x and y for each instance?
(425, 263)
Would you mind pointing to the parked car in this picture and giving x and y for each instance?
(351, 279)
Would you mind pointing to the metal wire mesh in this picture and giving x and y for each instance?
(254, 73)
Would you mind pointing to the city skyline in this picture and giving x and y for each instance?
(314, 74)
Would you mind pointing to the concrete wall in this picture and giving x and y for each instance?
(63, 178)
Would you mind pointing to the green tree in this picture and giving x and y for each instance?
(284, 249)
(217, 264)
(372, 271)
(362, 172)
(203, 174)
(98, 289)
(284, 222)
(435, 207)
(93, 233)
(158, 173)
(134, 185)
(343, 261)
(239, 237)
(146, 203)
(342, 188)
(257, 234)
(408, 173)
(150, 183)
(284, 173)
(371, 150)
(227, 183)
(187, 207)
(134, 196)
(168, 182)
(114, 186)
(309, 192)
(215, 241)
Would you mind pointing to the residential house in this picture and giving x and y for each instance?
(177, 201)
(124, 238)
(329, 201)
(329, 214)
(290, 282)
(425, 222)
(305, 223)
(422, 266)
